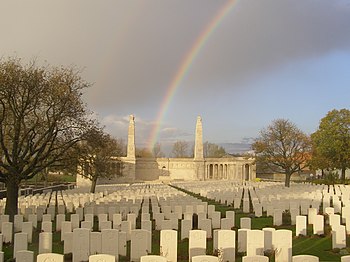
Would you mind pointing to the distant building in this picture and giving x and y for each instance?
(131, 169)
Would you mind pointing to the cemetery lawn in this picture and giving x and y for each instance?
(320, 246)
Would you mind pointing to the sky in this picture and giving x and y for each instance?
(248, 62)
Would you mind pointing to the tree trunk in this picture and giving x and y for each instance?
(93, 185)
(11, 208)
(343, 175)
(287, 181)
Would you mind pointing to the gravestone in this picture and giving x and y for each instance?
(282, 243)
(205, 258)
(18, 220)
(95, 243)
(116, 221)
(242, 240)
(255, 259)
(75, 219)
(122, 243)
(110, 242)
(305, 258)
(7, 230)
(301, 228)
(66, 227)
(318, 226)
(311, 215)
(126, 227)
(50, 257)
(68, 243)
(27, 227)
(245, 223)
(168, 244)
(277, 217)
(205, 224)
(268, 237)
(81, 244)
(102, 258)
(34, 219)
(226, 244)
(197, 243)
(45, 242)
(146, 225)
(25, 256)
(215, 220)
(46, 226)
(338, 237)
(231, 215)
(59, 219)
(153, 258)
(20, 243)
(141, 244)
(186, 226)
(255, 242)
(334, 220)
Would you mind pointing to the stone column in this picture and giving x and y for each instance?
(129, 170)
(198, 150)
(131, 138)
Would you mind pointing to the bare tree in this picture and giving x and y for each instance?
(41, 117)
(157, 151)
(180, 149)
(283, 147)
(213, 150)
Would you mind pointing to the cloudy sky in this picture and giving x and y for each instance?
(264, 60)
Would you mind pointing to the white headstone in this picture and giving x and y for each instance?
(27, 227)
(255, 259)
(122, 243)
(168, 244)
(68, 243)
(282, 243)
(102, 258)
(110, 242)
(301, 228)
(338, 237)
(141, 244)
(186, 226)
(46, 226)
(318, 226)
(153, 258)
(81, 244)
(305, 258)
(197, 243)
(25, 256)
(205, 258)
(245, 222)
(277, 217)
(95, 243)
(242, 240)
(45, 242)
(7, 230)
(20, 243)
(268, 236)
(255, 242)
(49, 257)
(226, 244)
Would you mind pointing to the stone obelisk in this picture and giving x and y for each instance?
(198, 146)
(131, 138)
(129, 169)
(198, 150)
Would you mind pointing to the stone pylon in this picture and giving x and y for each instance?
(198, 151)
(129, 166)
(198, 146)
(131, 138)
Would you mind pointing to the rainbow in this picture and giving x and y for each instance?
(186, 65)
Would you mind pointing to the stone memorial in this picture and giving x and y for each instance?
(102, 258)
(110, 242)
(141, 244)
(20, 243)
(255, 242)
(245, 223)
(50, 257)
(197, 243)
(95, 243)
(205, 258)
(282, 243)
(81, 244)
(226, 244)
(153, 258)
(45, 242)
(168, 245)
(25, 256)
(301, 228)
(305, 258)
(255, 259)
